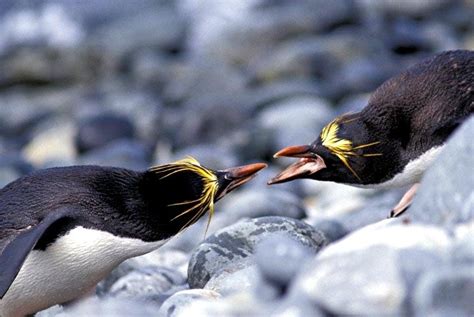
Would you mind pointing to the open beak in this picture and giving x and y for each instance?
(237, 176)
(308, 164)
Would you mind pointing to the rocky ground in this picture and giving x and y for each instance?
(144, 82)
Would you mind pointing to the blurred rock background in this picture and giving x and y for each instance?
(144, 82)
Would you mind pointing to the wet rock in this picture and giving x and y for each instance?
(124, 153)
(96, 131)
(450, 201)
(229, 247)
(177, 304)
(445, 291)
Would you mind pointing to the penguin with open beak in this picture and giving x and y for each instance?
(62, 230)
(395, 138)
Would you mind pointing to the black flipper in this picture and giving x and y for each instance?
(15, 253)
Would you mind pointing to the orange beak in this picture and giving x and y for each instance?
(308, 164)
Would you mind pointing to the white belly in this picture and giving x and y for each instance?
(412, 172)
(68, 269)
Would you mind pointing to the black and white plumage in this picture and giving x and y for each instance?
(393, 140)
(64, 229)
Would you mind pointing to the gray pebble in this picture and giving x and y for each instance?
(177, 303)
(445, 197)
(370, 270)
(243, 277)
(96, 131)
(332, 229)
(125, 153)
(446, 289)
(297, 118)
(279, 258)
(225, 249)
(462, 251)
(120, 307)
(147, 284)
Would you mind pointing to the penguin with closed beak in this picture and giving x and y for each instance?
(395, 138)
(62, 230)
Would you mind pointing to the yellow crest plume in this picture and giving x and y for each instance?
(343, 148)
(209, 191)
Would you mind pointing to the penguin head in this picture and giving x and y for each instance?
(185, 190)
(339, 154)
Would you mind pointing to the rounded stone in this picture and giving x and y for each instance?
(244, 277)
(125, 153)
(229, 247)
(120, 307)
(178, 302)
(54, 143)
(296, 118)
(260, 202)
(447, 289)
(448, 202)
(372, 270)
(147, 284)
(462, 251)
(208, 155)
(332, 229)
(164, 258)
(96, 131)
(279, 258)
